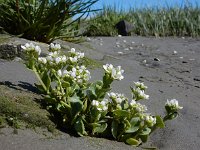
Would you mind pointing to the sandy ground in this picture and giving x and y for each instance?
(170, 67)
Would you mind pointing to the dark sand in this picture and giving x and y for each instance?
(170, 67)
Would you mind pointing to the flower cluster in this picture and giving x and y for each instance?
(54, 47)
(101, 106)
(173, 104)
(150, 120)
(138, 91)
(79, 74)
(140, 85)
(115, 73)
(75, 55)
(138, 107)
(30, 47)
(116, 97)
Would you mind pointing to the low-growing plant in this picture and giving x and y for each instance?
(91, 108)
(43, 20)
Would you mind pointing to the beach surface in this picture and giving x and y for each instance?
(170, 67)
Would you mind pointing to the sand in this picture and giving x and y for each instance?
(170, 67)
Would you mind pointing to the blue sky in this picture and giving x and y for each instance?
(126, 4)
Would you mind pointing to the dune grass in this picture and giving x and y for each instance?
(166, 21)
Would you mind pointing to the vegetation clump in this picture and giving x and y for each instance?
(43, 20)
(91, 108)
(156, 21)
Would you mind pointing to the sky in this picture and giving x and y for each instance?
(126, 4)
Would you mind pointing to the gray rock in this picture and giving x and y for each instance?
(8, 51)
(124, 27)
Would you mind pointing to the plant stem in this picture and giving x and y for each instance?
(41, 82)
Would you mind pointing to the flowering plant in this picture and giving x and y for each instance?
(91, 108)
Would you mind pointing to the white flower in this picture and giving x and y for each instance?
(42, 60)
(80, 55)
(31, 47)
(65, 72)
(95, 103)
(58, 60)
(173, 103)
(53, 54)
(101, 106)
(140, 85)
(143, 95)
(38, 50)
(133, 102)
(116, 73)
(73, 59)
(138, 107)
(73, 50)
(139, 94)
(150, 120)
(59, 72)
(108, 68)
(118, 98)
(54, 46)
(64, 58)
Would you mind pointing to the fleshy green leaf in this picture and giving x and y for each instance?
(114, 128)
(100, 128)
(134, 127)
(80, 127)
(121, 113)
(76, 105)
(146, 131)
(159, 122)
(132, 141)
(144, 138)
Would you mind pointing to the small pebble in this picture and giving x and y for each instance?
(120, 52)
(119, 35)
(142, 45)
(144, 61)
(130, 47)
(175, 52)
(126, 49)
(181, 57)
(156, 59)
(191, 59)
(117, 45)
(124, 41)
(133, 42)
(101, 44)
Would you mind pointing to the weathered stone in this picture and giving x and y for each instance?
(8, 51)
(124, 27)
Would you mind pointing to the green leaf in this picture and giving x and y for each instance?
(121, 113)
(80, 127)
(100, 128)
(95, 115)
(85, 105)
(65, 84)
(114, 128)
(159, 122)
(144, 138)
(134, 125)
(132, 141)
(46, 80)
(76, 105)
(146, 131)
